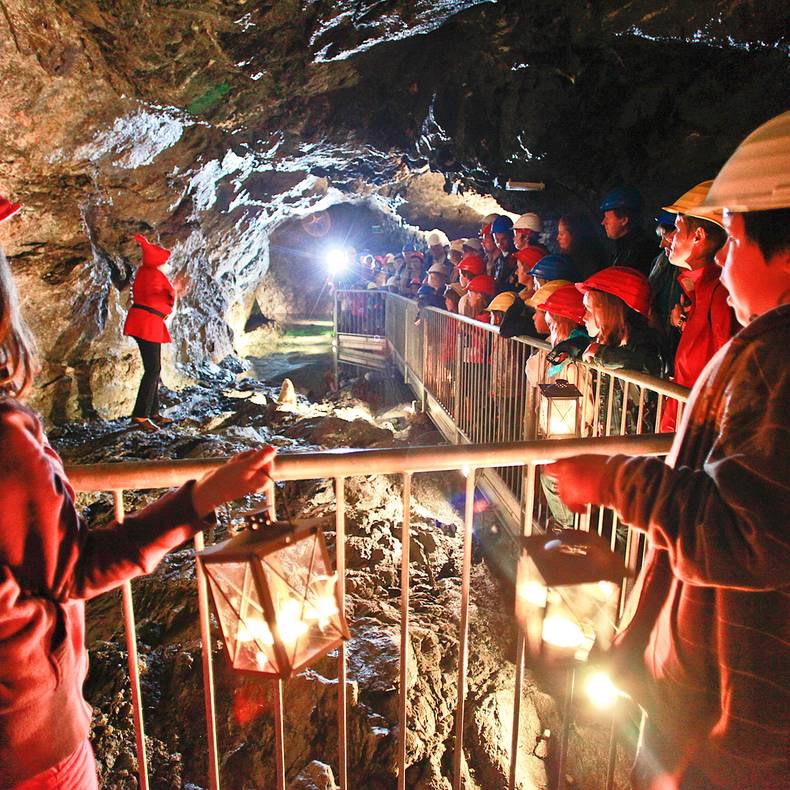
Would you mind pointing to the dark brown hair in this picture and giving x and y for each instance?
(17, 349)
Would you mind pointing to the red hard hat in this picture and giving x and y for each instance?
(473, 264)
(153, 254)
(482, 284)
(530, 255)
(623, 282)
(7, 208)
(566, 302)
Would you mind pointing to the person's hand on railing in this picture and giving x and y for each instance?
(243, 474)
(588, 355)
(578, 479)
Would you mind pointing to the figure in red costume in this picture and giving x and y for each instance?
(153, 298)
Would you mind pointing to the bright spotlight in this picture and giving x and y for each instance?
(601, 691)
(336, 260)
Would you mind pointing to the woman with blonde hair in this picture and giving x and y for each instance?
(51, 563)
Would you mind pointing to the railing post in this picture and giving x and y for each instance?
(131, 655)
(342, 694)
(463, 639)
(404, 630)
(208, 668)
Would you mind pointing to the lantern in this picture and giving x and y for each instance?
(567, 593)
(275, 595)
(559, 413)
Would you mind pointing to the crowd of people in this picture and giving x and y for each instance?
(704, 646)
(622, 298)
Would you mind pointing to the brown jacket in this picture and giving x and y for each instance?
(707, 651)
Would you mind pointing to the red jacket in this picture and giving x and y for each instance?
(710, 323)
(151, 289)
(50, 563)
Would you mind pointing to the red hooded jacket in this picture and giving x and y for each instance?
(151, 290)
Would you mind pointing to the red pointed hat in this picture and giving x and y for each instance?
(153, 254)
(483, 284)
(473, 264)
(566, 302)
(530, 255)
(623, 282)
(7, 208)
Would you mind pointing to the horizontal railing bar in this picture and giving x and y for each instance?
(350, 463)
(662, 386)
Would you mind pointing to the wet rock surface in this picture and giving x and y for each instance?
(232, 132)
(216, 422)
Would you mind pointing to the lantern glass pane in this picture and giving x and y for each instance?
(543, 416)
(531, 598)
(246, 633)
(594, 607)
(563, 417)
(304, 593)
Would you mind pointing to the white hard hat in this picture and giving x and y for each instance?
(529, 221)
(438, 268)
(437, 236)
(757, 176)
(474, 244)
(458, 245)
(488, 219)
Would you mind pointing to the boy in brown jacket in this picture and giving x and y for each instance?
(706, 652)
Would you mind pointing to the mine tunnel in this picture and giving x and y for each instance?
(394, 395)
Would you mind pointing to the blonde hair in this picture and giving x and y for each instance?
(17, 348)
(562, 327)
(610, 315)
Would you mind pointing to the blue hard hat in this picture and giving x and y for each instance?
(622, 197)
(502, 225)
(426, 290)
(556, 267)
(408, 247)
(666, 218)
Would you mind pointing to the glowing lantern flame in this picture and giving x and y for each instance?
(561, 632)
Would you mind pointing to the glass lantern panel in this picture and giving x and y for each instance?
(241, 618)
(594, 606)
(531, 598)
(543, 416)
(303, 586)
(563, 417)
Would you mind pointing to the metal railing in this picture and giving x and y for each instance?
(473, 383)
(359, 312)
(340, 465)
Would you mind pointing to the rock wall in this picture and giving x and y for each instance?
(207, 125)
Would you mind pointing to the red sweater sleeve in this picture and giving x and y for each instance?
(44, 542)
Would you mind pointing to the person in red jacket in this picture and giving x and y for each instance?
(51, 563)
(707, 321)
(153, 297)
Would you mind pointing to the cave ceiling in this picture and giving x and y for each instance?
(208, 123)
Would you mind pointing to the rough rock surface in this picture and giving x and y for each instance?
(210, 423)
(208, 125)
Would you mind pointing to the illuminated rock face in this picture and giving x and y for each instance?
(208, 125)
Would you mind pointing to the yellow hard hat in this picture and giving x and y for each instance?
(502, 302)
(757, 176)
(689, 202)
(544, 292)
